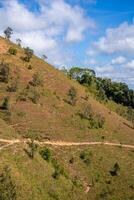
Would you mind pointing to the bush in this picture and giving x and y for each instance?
(97, 121)
(29, 67)
(34, 96)
(29, 53)
(13, 86)
(32, 149)
(72, 94)
(22, 96)
(58, 170)
(37, 80)
(12, 51)
(5, 104)
(77, 182)
(87, 112)
(46, 154)
(4, 72)
(21, 114)
(115, 170)
(29, 93)
(7, 186)
(85, 156)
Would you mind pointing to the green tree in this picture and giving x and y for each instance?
(8, 32)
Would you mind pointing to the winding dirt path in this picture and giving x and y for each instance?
(62, 143)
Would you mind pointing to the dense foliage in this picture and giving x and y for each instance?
(105, 88)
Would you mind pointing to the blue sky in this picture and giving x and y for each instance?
(88, 33)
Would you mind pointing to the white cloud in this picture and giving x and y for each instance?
(58, 23)
(91, 52)
(104, 69)
(130, 65)
(91, 61)
(116, 40)
(118, 60)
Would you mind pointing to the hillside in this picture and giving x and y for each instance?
(39, 108)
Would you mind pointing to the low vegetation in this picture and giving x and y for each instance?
(72, 96)
(4, 72)
(12, 51)
(7, 186)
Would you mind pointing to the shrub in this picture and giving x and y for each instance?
(37, 80)
(23, 95)
(87, 112)
(101, 94)
(13, 86)
(32, 149)
(53, 195)
(97, 121)
(29, 93)
(7, 186)
(34, 95)
(29, 67)
(12, 51)
(85, 156)
(58, 170)
(21, 114)
(29, 53)
(5, 104)
(46, 154)
(72, 94)
(115, 170)
(4, 72)
(71, 161)
(77, 182)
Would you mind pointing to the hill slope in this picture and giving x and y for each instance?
(42, 112)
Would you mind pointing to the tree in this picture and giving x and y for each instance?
(7, 186)
(44, 57)
(29, 53)
(18, 41)
(72, 94)
(8, 32)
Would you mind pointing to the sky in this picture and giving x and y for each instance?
(98, 34)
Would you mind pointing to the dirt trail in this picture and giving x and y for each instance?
(62, 143)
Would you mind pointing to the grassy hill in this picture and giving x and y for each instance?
(37, 96)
